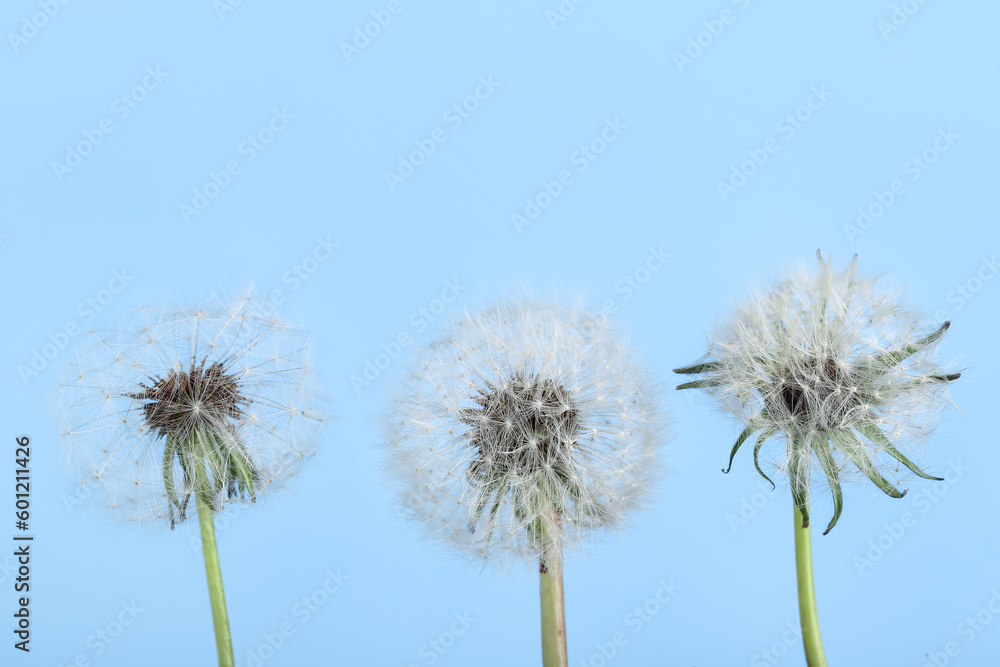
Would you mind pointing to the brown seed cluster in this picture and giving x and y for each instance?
(510, 418)
(183, 401)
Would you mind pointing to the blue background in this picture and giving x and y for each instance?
(686, 127)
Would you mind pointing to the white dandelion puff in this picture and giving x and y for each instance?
(523, 430)
(845, 371)
(223, 392)
(841, 367)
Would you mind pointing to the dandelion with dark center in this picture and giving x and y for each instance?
(524, 430)
(845, 372)
(213, 403)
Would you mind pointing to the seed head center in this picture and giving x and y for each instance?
(526, 425)
(182, 401)
(815, 390)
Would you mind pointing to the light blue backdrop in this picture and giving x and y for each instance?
(174, 150)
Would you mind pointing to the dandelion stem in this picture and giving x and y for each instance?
(811, 639)
(220, 617)
(553, 610)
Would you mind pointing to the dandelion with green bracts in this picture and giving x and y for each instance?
(843, 371)
(187, 411)
(522, 432)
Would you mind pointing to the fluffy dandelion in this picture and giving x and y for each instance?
(192, 408)
(844, 371)
(523, 430)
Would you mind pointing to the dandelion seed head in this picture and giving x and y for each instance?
(830, 360)
(523, 428)
(227, 387)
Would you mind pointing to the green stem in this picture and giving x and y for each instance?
(220, 617)
(553, 610)
(811, 639)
